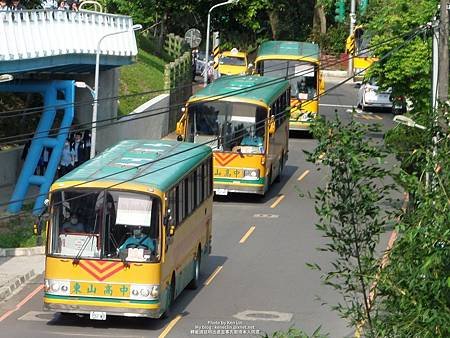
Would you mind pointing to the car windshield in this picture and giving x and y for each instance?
(104, 224)
(301, 75)
(228, 126)
(232, 61)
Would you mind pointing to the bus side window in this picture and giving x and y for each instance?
(199, 185)
(181, 199)
(173, 205)
(210, 176)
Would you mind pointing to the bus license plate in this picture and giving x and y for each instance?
(95, 315)
(222, 192)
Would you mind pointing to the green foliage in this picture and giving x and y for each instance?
(333, 41)
(296, 333)
(408, 70)
(414, 290)
(353, 211)
(147, 74)
(18, 233)
(14, 125)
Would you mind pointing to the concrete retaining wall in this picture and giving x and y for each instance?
(9, 171)
(138, 124)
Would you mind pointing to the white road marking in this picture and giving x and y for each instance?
(265, 216)
(336, 105)
(264, 316)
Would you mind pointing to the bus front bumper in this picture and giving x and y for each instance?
(72, 307)
(224, 188)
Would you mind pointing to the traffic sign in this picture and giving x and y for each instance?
(193, 37)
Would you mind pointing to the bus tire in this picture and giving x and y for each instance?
(171, 298)
(269, 181)
(195, 282)
(280, 170)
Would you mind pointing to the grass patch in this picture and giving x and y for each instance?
(18, 233)
(147, 74)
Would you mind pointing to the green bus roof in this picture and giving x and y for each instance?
(175, 159)
(290, 48)
(252, 88)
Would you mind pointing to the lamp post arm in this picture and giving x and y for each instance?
(205, 75)
(95, 90)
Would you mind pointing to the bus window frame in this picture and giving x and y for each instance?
(102, 228)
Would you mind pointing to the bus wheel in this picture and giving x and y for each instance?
(170, 299)
(195, 282)
(280, 170)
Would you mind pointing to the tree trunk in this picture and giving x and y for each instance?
(319, 20)
(274, 21)
(162, 33)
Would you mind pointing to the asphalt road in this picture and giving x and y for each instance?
(256, 278)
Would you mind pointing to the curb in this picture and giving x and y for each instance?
(13, 252)
(13, 284)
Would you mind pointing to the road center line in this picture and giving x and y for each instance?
(22, 302)
(213, 275)
(278, 200)
(169, 326)
(302, 176)
(247, 235)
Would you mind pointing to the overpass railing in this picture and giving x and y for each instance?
(32, 34)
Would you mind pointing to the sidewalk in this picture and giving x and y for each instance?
(17, 270)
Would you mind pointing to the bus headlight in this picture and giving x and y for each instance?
(57, 287)
(140, 291)
(251, 174)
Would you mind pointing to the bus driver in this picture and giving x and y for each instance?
(138, 240)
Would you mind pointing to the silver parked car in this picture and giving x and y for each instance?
(369, 96)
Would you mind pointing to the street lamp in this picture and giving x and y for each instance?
(94, 91)
(401, 119)
(205, 77)
(6, 77)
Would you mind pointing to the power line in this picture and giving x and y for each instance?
(84, 126)
(207, 142)
(37, 110)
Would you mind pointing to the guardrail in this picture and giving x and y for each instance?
(33, 34)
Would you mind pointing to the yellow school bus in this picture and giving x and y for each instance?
(129, 230)
(357, 46)
(245, 121)
(298, 62)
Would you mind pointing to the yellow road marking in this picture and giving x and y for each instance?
(169, 326)
(249, 232)
(378, 117)
(302, 176)
(214, 274)
(279, 199)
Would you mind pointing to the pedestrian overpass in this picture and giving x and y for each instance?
(44, 50)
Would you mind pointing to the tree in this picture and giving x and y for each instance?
(352, 213)
(414, 288)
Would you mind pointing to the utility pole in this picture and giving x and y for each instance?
(442, 94)
(352, 27)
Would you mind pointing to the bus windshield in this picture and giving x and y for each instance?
(229, 126)
(104, 224)
(301, 75)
